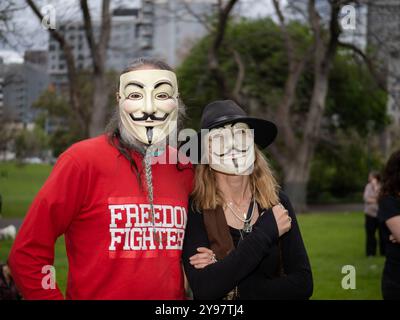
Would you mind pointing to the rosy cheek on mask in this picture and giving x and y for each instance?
(166, 106)
(131, 106)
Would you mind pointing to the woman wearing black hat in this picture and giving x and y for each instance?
(238, 217)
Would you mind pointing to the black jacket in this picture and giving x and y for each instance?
(253, 264)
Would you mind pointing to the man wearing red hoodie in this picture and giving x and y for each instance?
(121, 208)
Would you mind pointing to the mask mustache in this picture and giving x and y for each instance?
(150, 116)
(230, 150)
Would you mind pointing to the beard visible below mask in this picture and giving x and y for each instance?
(133, 143)
(129, 140)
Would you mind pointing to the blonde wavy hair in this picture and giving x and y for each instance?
(206, 194)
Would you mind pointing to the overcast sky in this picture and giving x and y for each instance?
(31, 35)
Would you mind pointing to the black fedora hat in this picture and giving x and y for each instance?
(221, 112)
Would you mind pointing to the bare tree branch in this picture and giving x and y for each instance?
(72, 73)
(213, 60)
(241, 72)
(99, 55)
(87, 20)
(296, 68)
(98, 50)
(378, 77)
(199, 18)
(288, 39)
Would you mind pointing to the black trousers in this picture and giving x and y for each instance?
(371, 226)
(391, 281)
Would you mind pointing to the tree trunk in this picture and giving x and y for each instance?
(297, 172)
(295, 180)
(99, 55)
(100, 103)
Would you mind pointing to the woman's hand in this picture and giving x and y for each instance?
(203, 258)
(283, 221)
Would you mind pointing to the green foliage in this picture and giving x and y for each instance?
(54, 107)
(341, 172)
(355, 106)
(56, 110)
(354, 98)
(31, 143)
(261, 49)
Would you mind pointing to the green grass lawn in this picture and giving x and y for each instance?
(332, 239)
(18, 186)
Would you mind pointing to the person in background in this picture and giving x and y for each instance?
(389, 215)
(371, 193)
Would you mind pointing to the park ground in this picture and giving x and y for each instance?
(333, 240)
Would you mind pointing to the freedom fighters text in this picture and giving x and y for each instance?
(132, 228)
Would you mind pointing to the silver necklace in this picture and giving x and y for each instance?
(247, 227)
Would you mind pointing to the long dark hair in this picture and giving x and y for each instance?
(391, 176)
(112, 130)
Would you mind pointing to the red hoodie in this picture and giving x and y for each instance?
(93, 198)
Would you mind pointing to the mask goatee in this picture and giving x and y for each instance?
(139, 146)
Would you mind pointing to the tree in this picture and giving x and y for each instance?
(7, 135)
(31, 143)
(92, 121)
(55, 108)
(318, 55)
(340, 173)
(354, 98)
(8, 29)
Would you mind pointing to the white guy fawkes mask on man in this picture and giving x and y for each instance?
(231, 149)
(148, 104)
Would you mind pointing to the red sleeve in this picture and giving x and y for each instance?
(48, 217)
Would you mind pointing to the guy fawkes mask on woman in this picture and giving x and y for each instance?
(231, 149)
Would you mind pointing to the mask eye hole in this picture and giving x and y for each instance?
(135, 96)
(218, 144)
(162, 96)
(242, 138)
